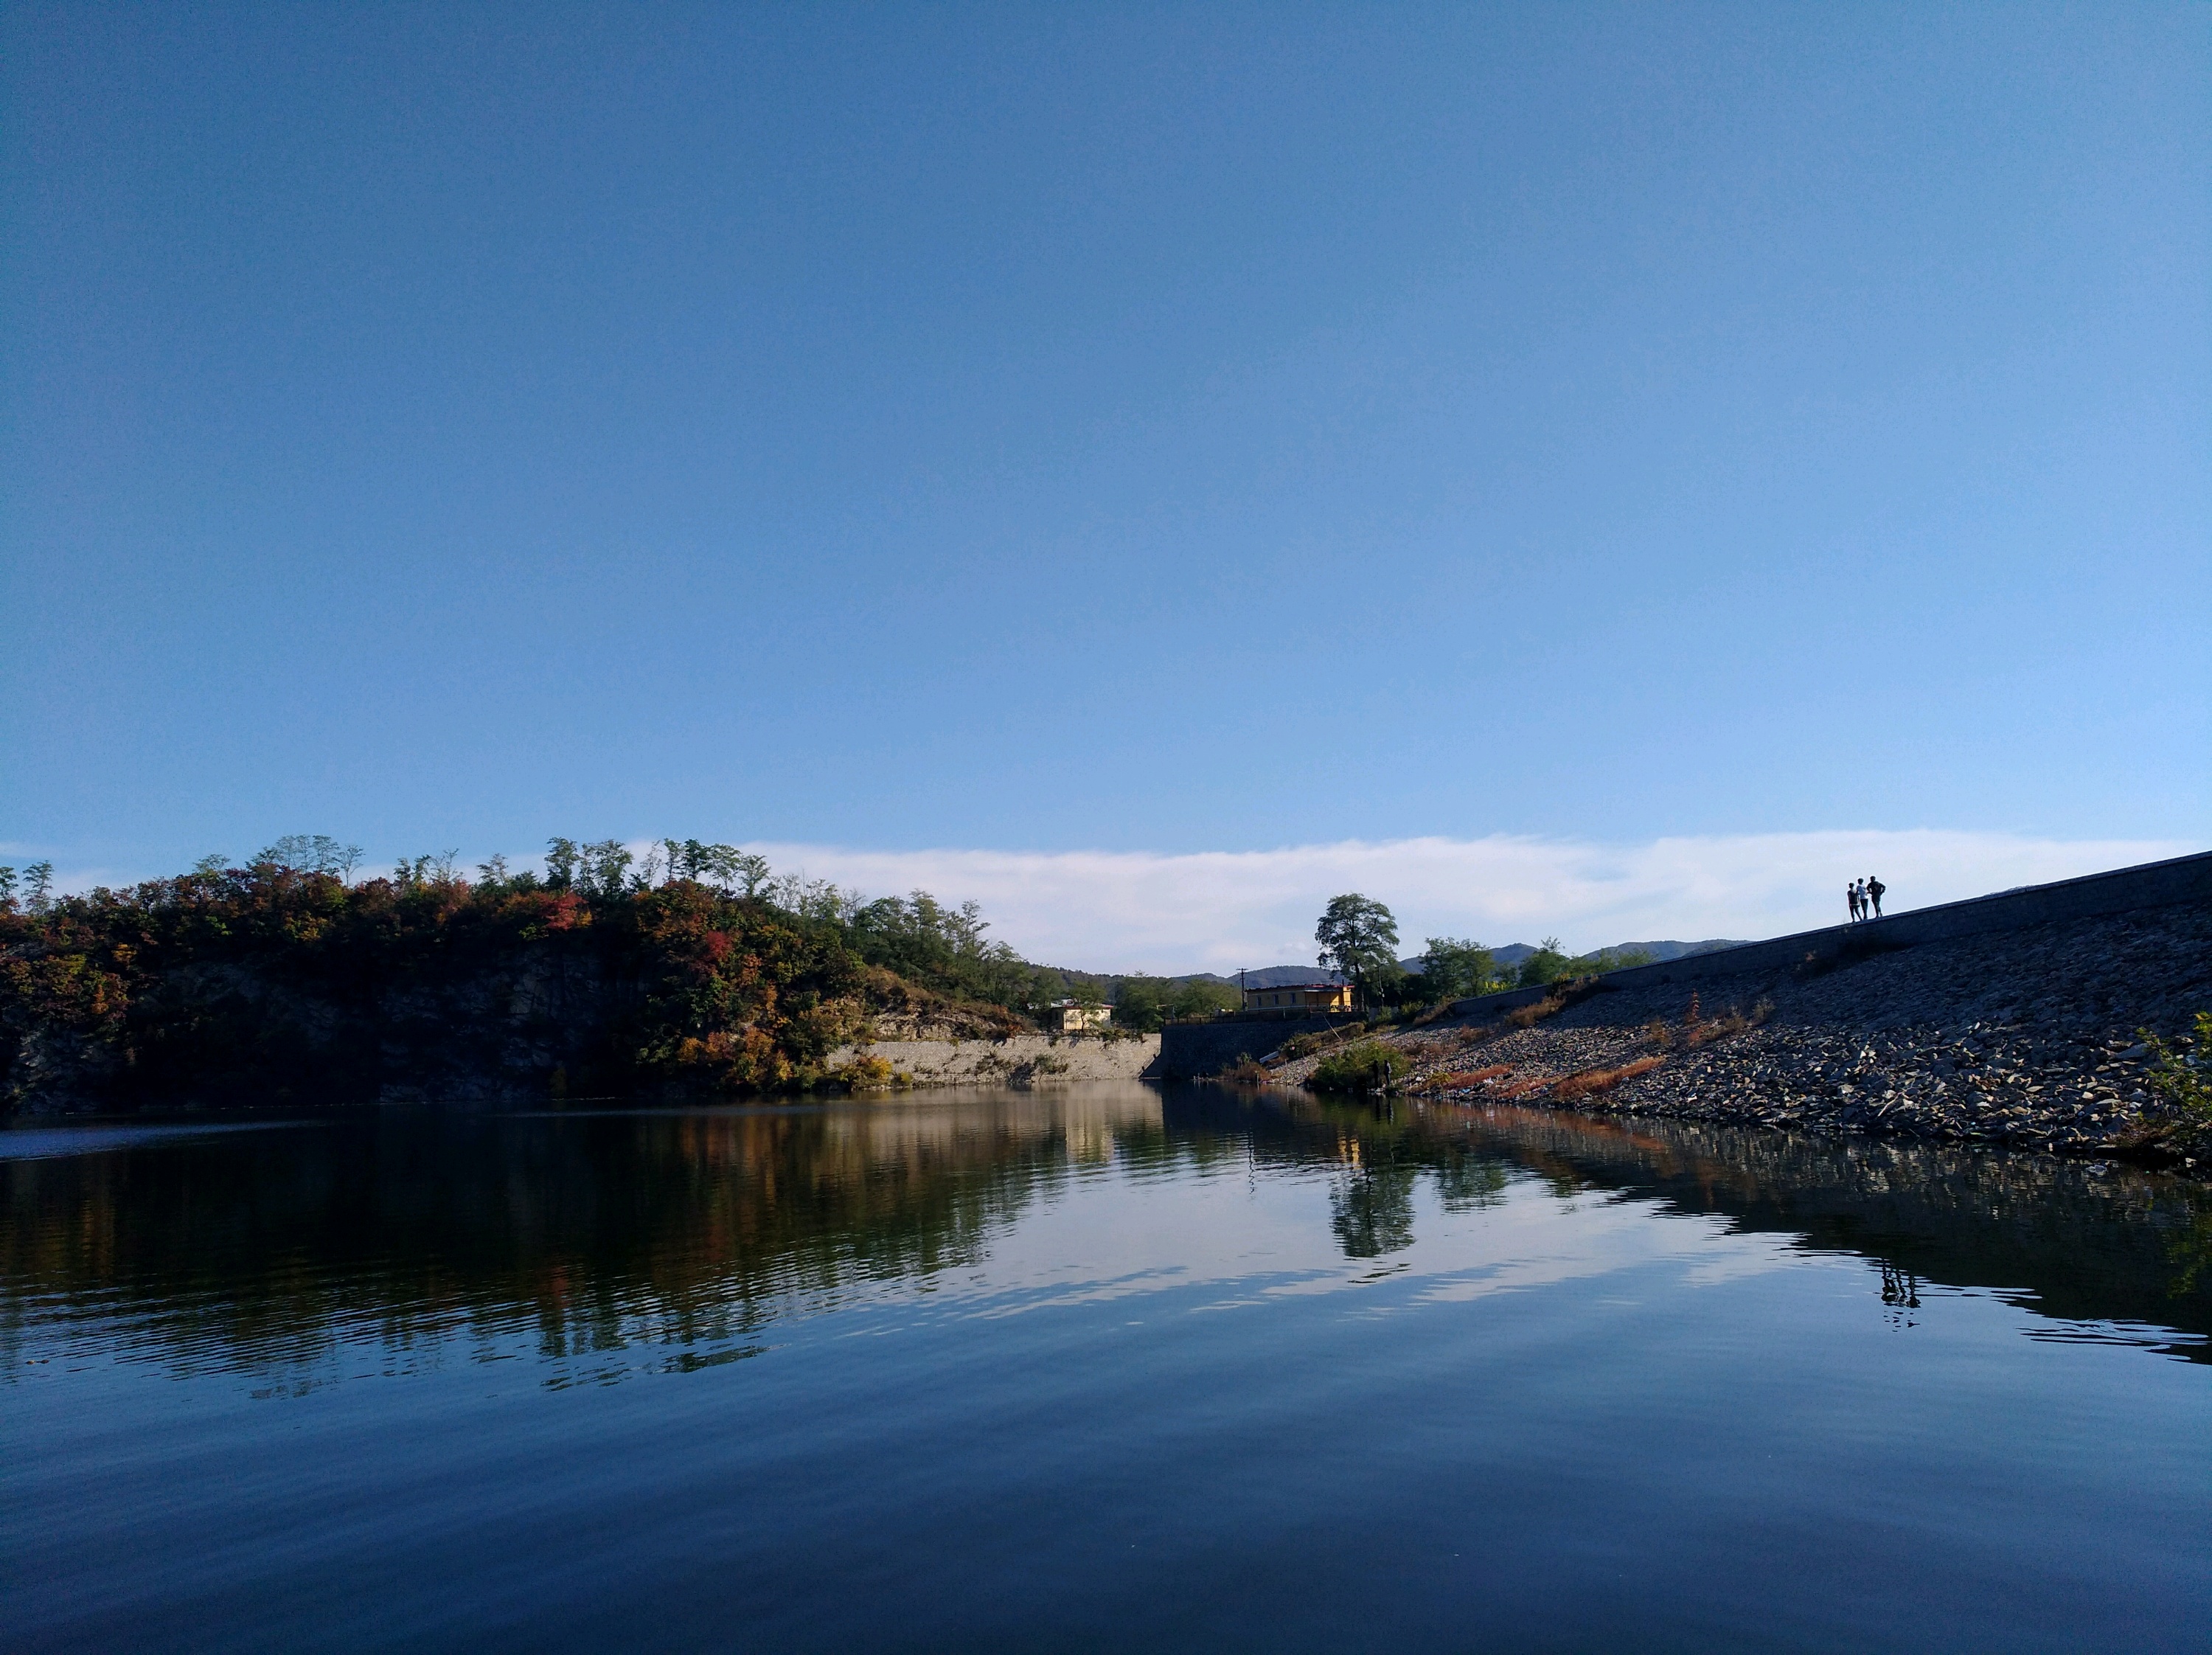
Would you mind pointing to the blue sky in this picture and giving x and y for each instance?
(1159, 431)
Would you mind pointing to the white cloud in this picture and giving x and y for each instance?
(1217, 910)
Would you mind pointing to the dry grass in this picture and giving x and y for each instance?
(1718, 1028)
(1698, 1030)
(1729, 1024)
(1593, 1080)
(1461, 1079)
(1526, 1017)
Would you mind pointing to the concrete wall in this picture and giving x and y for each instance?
(1021, 1059)
(2153, 884)
(1190, 1050)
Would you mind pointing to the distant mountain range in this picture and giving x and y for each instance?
(1267, 976)
(1514, 952)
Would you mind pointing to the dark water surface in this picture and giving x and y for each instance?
(1106, 1368)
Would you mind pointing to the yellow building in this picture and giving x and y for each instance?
(1069, 1018)
(1300, 997)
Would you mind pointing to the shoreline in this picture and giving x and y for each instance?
(2026, 1038)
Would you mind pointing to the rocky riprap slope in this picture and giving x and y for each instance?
(2026, 1036)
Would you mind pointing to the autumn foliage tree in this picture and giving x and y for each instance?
(289, 982)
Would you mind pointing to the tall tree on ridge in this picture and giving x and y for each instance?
(1359, 938)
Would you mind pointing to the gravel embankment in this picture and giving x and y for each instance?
(2027, 1036)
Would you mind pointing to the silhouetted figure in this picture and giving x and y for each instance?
(1851, 896)
(1874, 888)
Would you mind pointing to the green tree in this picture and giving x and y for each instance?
(923, 939)
(605, 866)
(818, 899)
(562, 859)
(1547, 964)
(1359, 938)
(1453, 968)
(312, 853)
(1200, 998)
(1040, 988)
(1143, 1002)
(727, 868)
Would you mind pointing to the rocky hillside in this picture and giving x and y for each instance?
(2027, 1036)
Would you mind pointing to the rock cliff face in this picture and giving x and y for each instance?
(522, 1027)
(1021, 1059)
(508, 1030)
(2027, 1036)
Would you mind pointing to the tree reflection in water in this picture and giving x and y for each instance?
(1371, 1210)
(677, 1239)
(2080, 1241)
(683, 1232)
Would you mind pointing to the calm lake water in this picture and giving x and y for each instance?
(1110, 1367)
